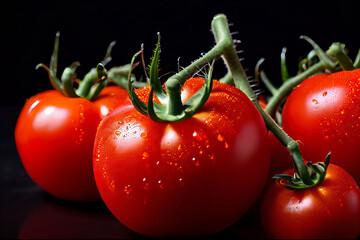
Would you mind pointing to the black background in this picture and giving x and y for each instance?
(27, 36)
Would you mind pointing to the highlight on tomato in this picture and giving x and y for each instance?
(55, 130)
(185, 161)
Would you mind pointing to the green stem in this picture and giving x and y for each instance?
(337, 51)
(85, 86)
(173, 84)
(227, 79)
(357, 60)
(55, 82)
(268, 84)
(67, 79)
(289, 85)
(284, 71)
(221, 28)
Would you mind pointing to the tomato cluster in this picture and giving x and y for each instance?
(189, 159)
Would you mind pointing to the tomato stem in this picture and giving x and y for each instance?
(284, 71)
(325, 63)
(89, 87)
(306, 176)
(357, 60)
(337, 51)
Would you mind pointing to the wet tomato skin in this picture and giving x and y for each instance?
(184, 179)
(330, 210)
(323, 113)
(55, 136)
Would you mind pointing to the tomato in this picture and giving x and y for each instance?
(323, 113)
(183, 179)
(329, 210)
(55, 137)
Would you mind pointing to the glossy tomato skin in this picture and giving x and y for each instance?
(188, 178)
(55, 136)
(330, 210)
(323, 113)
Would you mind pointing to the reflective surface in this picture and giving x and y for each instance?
(26, 211)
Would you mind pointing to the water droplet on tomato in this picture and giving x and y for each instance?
(128, 119)
(226, 145)
(128, 190)
(324, 94)
(145, 155)
(315, 101)
(117, 133)
(143, 134)
(220, 138)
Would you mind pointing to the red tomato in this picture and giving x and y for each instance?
(55, 137)
(323, 113)
(330, 210)
(188, 178)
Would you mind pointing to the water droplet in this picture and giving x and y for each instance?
(220, 138)
(324, 94)
(179, 147)
(128, 190)
(145, 155)
(193, 159)
(212, 156)
(194, 134)
(226, 145)
(117, 133)
(315, 101)
(201, 151)
(161, 185)
(342, 112)
(143, 135)
(128, 119)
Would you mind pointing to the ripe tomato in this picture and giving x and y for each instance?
(188, 178)
(323, 113)
(330, 210)
(55, 137)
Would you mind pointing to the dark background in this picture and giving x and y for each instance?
(27, 36)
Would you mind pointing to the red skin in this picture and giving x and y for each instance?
(323, 113)
(184, 179)
(329, 210)
(55, 137)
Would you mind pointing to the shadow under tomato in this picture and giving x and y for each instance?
(59, 219)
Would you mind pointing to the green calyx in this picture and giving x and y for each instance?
(170, 108)
(305, 176)
(92, 84)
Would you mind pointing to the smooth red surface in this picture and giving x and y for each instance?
(183, 179)
(323, 113)
(330, 210)
(55, 137)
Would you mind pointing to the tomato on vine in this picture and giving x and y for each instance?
(330, 210)
(323, 113)
(179, 164)
(55, 130)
